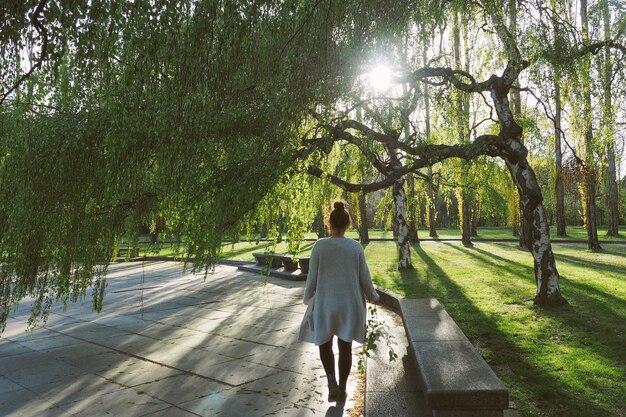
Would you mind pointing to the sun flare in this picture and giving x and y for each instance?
(379, 78)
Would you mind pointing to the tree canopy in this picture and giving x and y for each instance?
(121, 113)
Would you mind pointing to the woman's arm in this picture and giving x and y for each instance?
(311, 278)
(366, 280)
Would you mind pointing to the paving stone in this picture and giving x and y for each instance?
(285, 386)
(45, 374)
(76, 351)
(181, 388)
(210, 342)
(98, 363)
(10, 348)
(6, 385)
(53, 341)
(167, 332)
(188, 359)
(126, 402)
(397, 376)
(135, 372)
(76, 389)
(235, 404)
(24, 361)
(295, 411)
(201, 340)
(234, 372)
(283, 358)
(395, 404)
(171, 412)
(24, 403)
(392, 388)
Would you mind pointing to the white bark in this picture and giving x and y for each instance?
(537, 234)
(400, 216)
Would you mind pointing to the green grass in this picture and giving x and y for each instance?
(568, 361)
(573, 233)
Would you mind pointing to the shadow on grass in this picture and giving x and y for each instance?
(591, 264)
(482, 329)
(588, 305)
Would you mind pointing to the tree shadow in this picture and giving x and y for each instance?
(583, 297)
(176, 326)
(595, 265)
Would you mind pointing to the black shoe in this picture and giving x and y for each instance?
(342, 395)
(333, 392)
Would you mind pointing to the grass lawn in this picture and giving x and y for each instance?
(573, 233)
(239, 251)
(567, 361)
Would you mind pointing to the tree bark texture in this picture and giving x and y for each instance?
(589, 169)
(321, 228)
(558, 161)
(412, 210)
(537, 231)
(608, 127)
(613, 193)
(400, 223)
(466, 217)
(431, 212)
(364, 232)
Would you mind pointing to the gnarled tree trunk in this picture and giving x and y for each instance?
(537, 230)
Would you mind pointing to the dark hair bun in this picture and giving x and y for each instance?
(339, 205)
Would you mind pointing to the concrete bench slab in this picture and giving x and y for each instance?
(455, 379)
(427, 321)
(455, 376)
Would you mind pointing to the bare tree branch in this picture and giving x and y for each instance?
(43, 33)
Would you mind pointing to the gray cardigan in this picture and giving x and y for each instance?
(337, 284)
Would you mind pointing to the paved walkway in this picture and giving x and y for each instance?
(168, 343)
(392, 388)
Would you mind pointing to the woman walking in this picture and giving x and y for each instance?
(337, 284)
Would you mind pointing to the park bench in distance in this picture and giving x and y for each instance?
(282, 265)
(455, 379)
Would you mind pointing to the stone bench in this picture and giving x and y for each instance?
(455, 379)
(285, 260)
(134, 252)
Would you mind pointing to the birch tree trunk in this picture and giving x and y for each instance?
(399, 219)
(537, 232)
